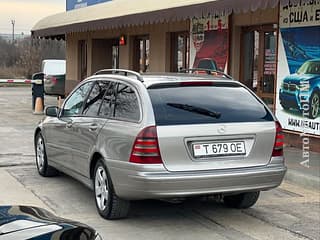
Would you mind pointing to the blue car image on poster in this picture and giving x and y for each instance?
(302, 86)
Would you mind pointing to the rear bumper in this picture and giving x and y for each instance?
(153, 182)
(53, 90)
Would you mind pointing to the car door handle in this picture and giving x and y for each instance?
(93, 127)
(69, 124)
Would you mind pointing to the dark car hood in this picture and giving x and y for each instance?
(297, 78)
(24, 222)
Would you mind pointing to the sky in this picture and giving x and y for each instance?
(26, 13)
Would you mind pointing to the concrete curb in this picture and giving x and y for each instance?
(303, 180)
(13, 192)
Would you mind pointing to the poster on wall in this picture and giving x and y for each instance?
(209, 42)
(298, 88)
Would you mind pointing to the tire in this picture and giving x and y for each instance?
(108, 204)
(44, 169)
(242, 200)
(314, 105)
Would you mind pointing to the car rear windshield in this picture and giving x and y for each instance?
(206, 104)
(54, 68)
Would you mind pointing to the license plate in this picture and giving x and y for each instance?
(219, 149)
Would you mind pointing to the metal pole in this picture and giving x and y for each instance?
(13, 23)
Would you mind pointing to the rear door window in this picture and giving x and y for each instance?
(206, 104)
(126, 103)
(93, 102)
(107, 106)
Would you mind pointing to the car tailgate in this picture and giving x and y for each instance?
(178, 145)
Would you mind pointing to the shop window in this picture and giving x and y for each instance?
(179, 51)
(141, 53)
(250, 59)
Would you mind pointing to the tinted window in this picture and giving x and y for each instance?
(207, 64)
(74, 104)
(206, 104)
(127, 105)
(107, 105)
(95, 98)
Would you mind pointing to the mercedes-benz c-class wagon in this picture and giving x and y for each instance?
(162, 136)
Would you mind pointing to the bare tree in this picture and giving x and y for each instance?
(29, 59)
(24, 58)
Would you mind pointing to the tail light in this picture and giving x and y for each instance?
(50, 79)
(145, 149)
(278, 143)
(54, 80)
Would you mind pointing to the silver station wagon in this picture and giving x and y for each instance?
(159, 136)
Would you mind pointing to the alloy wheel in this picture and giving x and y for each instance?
(101, 188)
(40, 154)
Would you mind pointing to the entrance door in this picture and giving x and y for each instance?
(105, 54)
(258, 65)
(179, 51)
(115, 56)
(83, 59)
(141, 46)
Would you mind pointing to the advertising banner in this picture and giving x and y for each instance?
(209, 42)
(298, 88)
(74, 4)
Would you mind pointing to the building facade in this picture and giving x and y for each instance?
(266, 44)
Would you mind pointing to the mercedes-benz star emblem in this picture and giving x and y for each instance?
(222, 129)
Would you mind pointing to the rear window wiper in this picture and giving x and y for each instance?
(194, 109)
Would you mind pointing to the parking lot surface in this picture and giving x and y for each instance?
(288, 212)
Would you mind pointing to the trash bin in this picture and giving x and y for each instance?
(37, 89)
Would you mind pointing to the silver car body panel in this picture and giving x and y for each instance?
(83, 139)
(176, 145)
(116, 139)
(132, 181)
(57, 140)
(71, 150)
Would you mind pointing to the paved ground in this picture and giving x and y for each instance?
(288, 212)
(17, 124)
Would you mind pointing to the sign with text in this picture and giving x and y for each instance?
(209, 42)
(300, 14)
(74, 4)
(298, 95)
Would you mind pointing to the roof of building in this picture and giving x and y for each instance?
(123, 13)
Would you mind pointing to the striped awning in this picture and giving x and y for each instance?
(123, 13)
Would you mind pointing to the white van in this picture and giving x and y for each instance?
(54, 76)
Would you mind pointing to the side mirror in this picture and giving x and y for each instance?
(52, 111)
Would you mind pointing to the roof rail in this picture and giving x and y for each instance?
(119, 71)
(208, 71)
